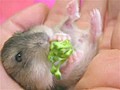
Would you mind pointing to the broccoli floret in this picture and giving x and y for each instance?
(59, 53)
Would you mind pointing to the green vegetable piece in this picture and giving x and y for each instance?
(53, 69)
(59, 53)
(58, 74)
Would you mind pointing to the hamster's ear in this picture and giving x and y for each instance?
(96, 24)
(17, 34)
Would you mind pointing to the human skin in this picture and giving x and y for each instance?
(103, 72)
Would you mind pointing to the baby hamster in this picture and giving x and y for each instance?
(24, 55)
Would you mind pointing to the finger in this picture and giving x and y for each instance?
(27, 18)
(23, 21)
(6, 82)
(113, 9)
(89, 5)
(111, 29)
(105, 41)
(58, 13)
(115, 41)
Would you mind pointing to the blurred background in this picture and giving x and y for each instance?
(10, 7)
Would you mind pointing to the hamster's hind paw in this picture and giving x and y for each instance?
(73, 10)
(96, 23)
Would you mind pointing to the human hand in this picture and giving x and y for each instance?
(103, 73)
(54, 17)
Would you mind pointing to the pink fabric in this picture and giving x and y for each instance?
(10, 7)
(50, 3)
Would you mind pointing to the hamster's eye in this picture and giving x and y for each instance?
(18, 57)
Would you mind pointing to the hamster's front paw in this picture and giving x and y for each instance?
(75, 57)
(60, 37)
(72, 61)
